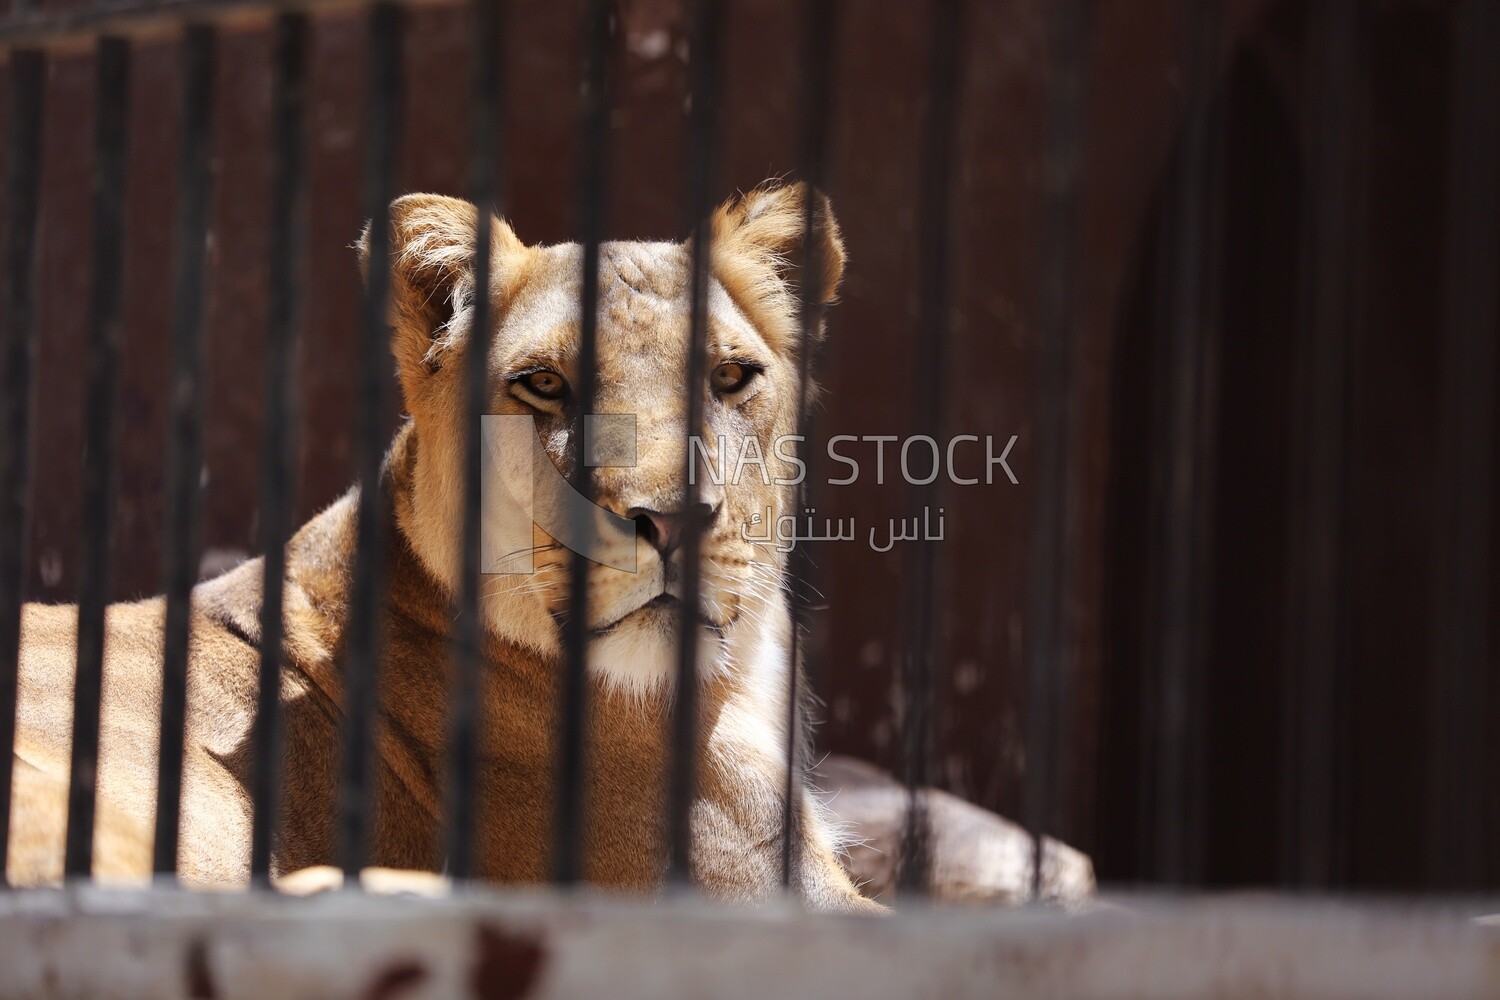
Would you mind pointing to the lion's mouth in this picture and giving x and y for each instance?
(669, 604)
(664, 608)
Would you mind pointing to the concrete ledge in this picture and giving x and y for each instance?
(88, 941)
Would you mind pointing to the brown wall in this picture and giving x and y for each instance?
(873, 180)
(1132, 126)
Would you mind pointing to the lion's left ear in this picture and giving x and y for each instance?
(432, 278)
(760, 253)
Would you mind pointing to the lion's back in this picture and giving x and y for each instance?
(43, 748)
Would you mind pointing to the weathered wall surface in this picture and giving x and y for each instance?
(1132, 125)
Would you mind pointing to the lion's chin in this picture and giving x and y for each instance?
(639, 652)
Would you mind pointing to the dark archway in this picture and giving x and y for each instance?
(1380, 729)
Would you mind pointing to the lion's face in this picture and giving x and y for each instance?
(751, 390)
(642, 370)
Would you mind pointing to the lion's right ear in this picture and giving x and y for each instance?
(432, 275)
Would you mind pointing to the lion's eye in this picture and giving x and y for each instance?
(545, 383)
(732, 376)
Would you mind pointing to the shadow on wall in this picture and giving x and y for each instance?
(1256, 443)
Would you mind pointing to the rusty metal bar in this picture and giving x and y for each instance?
(1459, 836)
(931, 348)
(703, 111)
(101, 368)
(818, 43)
(594, 106)
(1317, 612)
(1049, 655)
(468, 660)
(28, 86)
(288, 228)
(366, 627)
(35, 25)
(185, 446)
(1183, 477)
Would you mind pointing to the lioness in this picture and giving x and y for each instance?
(752, 389)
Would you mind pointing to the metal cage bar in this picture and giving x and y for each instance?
(1317, 591)
(594, 101)
(1179, 578)
(288, 228)
(1049, 653)
(35, 25)
(183, 524)
(101, 365)
(468, 659)
(1459, 837)
(18, 356)
(931, 335)
(702, 123)
(819, 42)
(366, 620)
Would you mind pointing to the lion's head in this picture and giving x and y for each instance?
(751, 391)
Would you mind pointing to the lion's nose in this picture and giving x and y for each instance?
(665, 530)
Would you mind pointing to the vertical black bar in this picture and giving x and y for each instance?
(818, 44)
(930, 346)
(1316, 612)
(1458, 840)
(185, 447)
(468, 654)
(1050, 654)
(1179, 581)
(101, 366)
(366, 631)
(278, 475)
(593, 148)
(702, 121)
(28, 83)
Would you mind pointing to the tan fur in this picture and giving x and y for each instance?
(643, 341)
